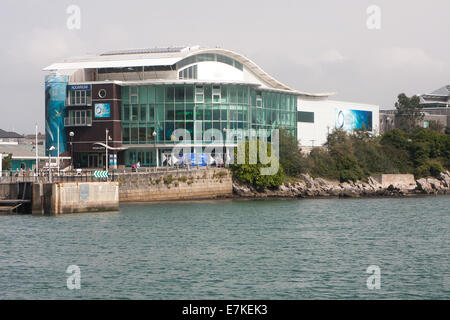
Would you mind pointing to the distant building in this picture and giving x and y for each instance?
(140, 97)
(10, 137)
(439, 98)
(435, 108)
(436, 105)
(23, 155)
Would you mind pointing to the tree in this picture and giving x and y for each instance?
(436, 126)
(409, 112)
(251, 173)
(290, 157)
(6, 162)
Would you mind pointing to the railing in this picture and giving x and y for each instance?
(81, 102)
(71, 122)
(87, 175)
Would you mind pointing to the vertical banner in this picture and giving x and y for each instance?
(55, 95)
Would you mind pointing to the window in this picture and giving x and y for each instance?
(79, 97)
(199, 94)
(188, 73)
(210, 57)
(102, 93)
(216, 94)
(78, 118)
(303, 116)
(258, 100)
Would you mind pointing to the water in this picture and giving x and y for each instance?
(293, 249)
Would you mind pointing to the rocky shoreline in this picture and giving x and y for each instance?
(308, 187)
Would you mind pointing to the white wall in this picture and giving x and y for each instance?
(211, 70)
(325, 114)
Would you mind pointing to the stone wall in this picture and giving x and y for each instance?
(397, 180)
(9, 191)
(72, 197)
(171, 186)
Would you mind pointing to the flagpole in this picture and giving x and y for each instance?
(37, 153)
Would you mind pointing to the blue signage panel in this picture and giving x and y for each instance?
(79, 87)
(102, 110)
(350, 120)
(55, 95)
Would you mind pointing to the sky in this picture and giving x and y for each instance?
(314, 46)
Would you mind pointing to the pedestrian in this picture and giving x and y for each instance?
(138, 166)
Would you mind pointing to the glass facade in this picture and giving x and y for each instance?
(150, 114)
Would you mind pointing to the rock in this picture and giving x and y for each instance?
(444, 177)
(424, 186)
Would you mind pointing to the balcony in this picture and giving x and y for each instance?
(79, 102)
(77, 122)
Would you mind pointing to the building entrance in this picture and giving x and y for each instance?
(95, 160)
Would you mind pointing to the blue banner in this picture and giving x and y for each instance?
(55, 96)
(350, 120)
(102, 110)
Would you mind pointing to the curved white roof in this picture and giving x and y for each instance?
(167, 57)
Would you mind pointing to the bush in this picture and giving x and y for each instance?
(251, 173)
(435, 168)
(290, 157)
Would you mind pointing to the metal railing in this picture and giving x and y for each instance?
(87, 175)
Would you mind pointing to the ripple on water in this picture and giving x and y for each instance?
(233, 250)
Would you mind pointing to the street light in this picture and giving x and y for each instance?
(52, 148)
(225, 155)
(71, 134)
(154, 134)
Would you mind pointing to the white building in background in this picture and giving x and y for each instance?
(317, 117)
(141, 97)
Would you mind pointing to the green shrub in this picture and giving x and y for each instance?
(251, 173)
(436, 168)
(168, 179)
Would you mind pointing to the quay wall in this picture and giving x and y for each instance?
(9, 191)
(171, 186)
(397, 180)
(73, 197)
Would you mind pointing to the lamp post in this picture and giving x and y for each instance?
(37, 153)
(154, 134)
(107, 162)
(71, 134)
(225, 155)
(50, 163)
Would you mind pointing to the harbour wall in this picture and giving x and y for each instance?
(397, 180)
(171, 186)
(73, 197)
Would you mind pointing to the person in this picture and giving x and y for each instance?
(138, 166)
(133, 168)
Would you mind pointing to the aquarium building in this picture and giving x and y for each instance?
(132, 101)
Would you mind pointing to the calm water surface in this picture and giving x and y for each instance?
(296, 249)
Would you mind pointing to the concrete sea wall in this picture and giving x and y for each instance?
(73, 197)
(397, 180)
(171, 186)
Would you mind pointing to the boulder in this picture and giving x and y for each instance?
(424, 186)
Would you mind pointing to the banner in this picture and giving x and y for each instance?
(350, 120)
(102, 110)
(55, 96)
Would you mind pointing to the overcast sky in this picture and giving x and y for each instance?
(316, 46)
